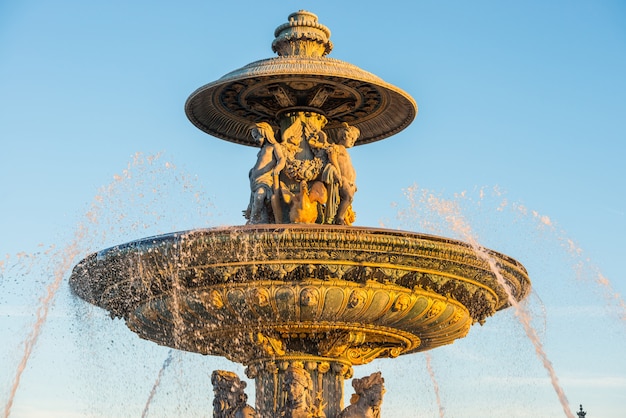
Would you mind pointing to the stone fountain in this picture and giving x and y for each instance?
(298, 295)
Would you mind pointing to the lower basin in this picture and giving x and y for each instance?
(251, 292)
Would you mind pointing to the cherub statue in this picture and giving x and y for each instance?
(368, 397)
(229, 398)
(298, 385)
(264, 182)
(340, 177)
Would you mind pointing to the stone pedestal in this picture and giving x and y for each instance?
(327, 377)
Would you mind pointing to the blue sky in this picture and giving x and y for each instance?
(520, 123)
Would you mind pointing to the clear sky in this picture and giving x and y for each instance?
(521, 124)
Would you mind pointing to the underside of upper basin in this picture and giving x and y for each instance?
(263, 90)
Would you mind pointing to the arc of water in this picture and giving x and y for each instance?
(157, 383)
(68, 258)
(451, 214)
(68, 255)
(583, 264)
(431, 373)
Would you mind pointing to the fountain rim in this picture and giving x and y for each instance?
(147, 243)
(321, 227)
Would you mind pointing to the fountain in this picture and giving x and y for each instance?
(298, 295)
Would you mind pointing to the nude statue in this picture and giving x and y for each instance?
(229, 397)
(340, 177)
(264, 182)
(368, 397)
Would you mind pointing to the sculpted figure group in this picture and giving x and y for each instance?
(367, 399)
(230, 399)
(304, 178)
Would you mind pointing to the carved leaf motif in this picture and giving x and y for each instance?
(337, 344)
(271, 346)
(225, 272)
(334, 346)
(212, 299)
(393, 274)
(338, 270)
(282, 269)
(394, 352)
(365, 354)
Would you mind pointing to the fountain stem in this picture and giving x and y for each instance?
(272, 383)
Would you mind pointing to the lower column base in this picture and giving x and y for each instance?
(299, 386)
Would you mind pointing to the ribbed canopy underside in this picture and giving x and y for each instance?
(264, 89)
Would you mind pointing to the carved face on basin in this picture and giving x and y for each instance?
(261, 297)
(309, 297)
(402, 303)
(357, 298)
(295, 391)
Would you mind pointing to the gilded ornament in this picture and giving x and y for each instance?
(402, 303)
(357, 298)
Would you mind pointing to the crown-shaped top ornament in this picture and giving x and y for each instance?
(302, 35)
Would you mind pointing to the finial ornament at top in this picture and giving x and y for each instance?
(302, 35)
(581, 413)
